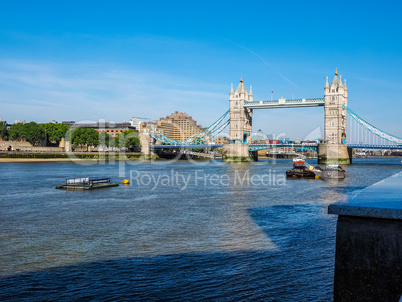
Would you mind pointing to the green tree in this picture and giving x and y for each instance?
(109, 140)
(55, 132)
(76, 136)
(104, 138)
(3, 130)
(129, 139)
(92, 137)
(16, 131)
(114, 141)
(33, 133)
(83, 137)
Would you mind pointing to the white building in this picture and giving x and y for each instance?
(135, 122)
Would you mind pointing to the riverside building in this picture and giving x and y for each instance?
(178, 126)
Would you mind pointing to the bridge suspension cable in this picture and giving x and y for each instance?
(361, 132)
(219, 130)
(208, 131)
(163, 139)
(212, 132)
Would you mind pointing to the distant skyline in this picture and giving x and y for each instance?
(86, 60)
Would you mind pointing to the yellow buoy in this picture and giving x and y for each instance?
(125, 182)
(317, 177)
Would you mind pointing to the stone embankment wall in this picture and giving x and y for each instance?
(26, 147)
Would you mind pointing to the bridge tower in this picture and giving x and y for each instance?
(335, 147)
(240, 125)
(146, 141)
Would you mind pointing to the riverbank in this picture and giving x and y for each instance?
(25, 160)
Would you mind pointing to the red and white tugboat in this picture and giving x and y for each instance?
(300, 170)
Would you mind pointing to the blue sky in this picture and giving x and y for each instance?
(85, 60)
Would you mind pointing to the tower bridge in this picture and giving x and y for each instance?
(242, 104)
(239, 118)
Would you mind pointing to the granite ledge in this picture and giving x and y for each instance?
(380, 200)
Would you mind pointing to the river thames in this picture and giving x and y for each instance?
(180, 231)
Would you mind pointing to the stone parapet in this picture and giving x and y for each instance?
(368, 257)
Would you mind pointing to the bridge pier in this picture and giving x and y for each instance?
(331, 153)
(254, 155)
(237, 153)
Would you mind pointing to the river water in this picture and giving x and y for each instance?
(180, 231)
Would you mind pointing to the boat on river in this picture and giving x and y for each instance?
(86, 183)
(333, 171)
(299, 170)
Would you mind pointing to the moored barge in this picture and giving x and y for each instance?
(86, 183)
(333, 171)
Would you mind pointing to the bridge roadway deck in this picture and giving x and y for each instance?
(185, 146)
(365, 146)
(307, 146)
(256, 147)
